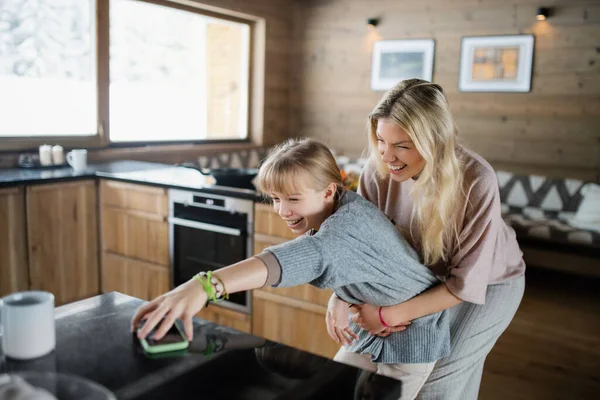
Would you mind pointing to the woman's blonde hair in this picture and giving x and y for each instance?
(280, 171)
(421, 109)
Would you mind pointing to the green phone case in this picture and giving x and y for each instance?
(167, 347)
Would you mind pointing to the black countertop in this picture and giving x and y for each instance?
(155, 174)
(94, 341)
(27, 176)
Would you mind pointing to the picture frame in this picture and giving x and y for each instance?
(496, 63)
(397, 60)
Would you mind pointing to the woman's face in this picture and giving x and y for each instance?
(306, 209)
(398, 151)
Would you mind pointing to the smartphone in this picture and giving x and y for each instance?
(174, 340)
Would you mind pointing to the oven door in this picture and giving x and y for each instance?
(198, 244)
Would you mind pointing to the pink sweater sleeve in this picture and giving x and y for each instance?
(472, 262)
(367, 184)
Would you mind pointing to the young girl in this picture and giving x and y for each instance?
(347, 245)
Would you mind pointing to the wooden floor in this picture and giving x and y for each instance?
(551, 350)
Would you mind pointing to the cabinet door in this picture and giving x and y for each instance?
(226, 317)
(136, 234)
(133, 277)
(291, 322)
(14, 275)
(267, 222)
(134, 197)
(62, 229)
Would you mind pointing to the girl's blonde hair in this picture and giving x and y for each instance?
(421, 109)
(281, 169)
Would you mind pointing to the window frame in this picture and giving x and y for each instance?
(102, 140)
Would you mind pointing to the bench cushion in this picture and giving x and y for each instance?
(550, 226)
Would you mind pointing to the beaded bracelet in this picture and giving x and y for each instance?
(214, 288)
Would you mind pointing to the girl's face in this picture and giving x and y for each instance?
(307, 208)
(398, 151)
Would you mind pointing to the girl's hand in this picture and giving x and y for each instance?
(367, 317)
(183, 302)
(336, 319)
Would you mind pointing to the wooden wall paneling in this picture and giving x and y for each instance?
(331, 96)
(14, 273)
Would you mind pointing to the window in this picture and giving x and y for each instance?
(176, 75)
(48, 68)
(173, 72)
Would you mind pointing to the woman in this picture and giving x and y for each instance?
(349, 246)
(447, 199)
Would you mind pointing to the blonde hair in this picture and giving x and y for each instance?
(280, 170)
(421, 109)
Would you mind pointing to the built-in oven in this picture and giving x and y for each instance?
(208, 232)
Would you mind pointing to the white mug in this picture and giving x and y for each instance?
(58, 156)
(28, 329)
(45, 155)
(77, 159)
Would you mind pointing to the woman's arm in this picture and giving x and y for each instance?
(189, 298)
(433, 300)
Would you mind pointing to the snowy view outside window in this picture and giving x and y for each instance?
(47, 68)
(174, 75)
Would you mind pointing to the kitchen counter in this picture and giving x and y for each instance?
(27, 176)
(141, 172)
(94, 341)
(179, 178)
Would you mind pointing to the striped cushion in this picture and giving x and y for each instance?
(550, 226)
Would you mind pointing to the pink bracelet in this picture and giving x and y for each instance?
(381, 318)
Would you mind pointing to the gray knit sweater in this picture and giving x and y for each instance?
(361, 255)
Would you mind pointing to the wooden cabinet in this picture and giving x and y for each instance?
(267, 222)
(14, 275)
(139, 235)
(292, 316)
(135, 239)
(295, 323)
(129, 196)
(227, 317)
(62, 232)
(134, 277)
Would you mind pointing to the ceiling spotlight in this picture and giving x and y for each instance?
(373, 22)
(542, 13)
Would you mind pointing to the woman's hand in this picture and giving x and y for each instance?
(183, 302)
(337, 321)
(367, 317)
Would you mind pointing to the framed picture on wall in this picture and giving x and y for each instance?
(396, 60)
(496, 64)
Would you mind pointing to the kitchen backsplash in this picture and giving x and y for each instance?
(238, 159)
(249, 158)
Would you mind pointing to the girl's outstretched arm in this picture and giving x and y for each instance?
(189, 298)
